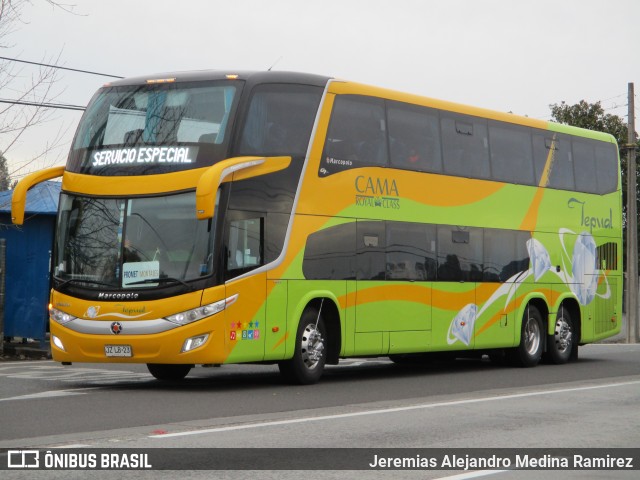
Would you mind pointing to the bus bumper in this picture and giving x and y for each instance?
(166, 347)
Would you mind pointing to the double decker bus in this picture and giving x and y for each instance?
(213, 218)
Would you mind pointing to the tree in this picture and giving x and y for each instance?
(34, 89)
(593, 117)
(5, 181)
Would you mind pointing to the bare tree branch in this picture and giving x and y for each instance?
(35, 86)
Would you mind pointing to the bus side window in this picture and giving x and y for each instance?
(330, 254)
(245, 239)
(371, 250)
(280, 120)
(505, 254)
(595, 166)
(606, 167)
(459, 254)
(411, 251)
(584, 165)
(465, 146)
(357, 134)
(552, 154)
(414, 137)
(511, 153)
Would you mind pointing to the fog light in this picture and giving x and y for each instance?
(194, 342)
(57, 342)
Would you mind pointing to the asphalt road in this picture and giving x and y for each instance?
(360, 403)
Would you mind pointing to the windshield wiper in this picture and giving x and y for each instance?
(161, 280)
(84, 280)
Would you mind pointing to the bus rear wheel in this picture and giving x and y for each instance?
(307, 364)
(168, 373)
(529, 352)
(561, 343)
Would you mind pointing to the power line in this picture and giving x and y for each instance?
(60, 68)
(61, 106)
(615, 107)
(611, 98)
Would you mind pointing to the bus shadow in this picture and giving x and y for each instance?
(360, 372)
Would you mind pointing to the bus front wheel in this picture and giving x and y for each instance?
(168, 373)
(307, 364)
(529, 352)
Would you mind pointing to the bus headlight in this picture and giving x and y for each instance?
(60, 316)
(194, 342)
(195, 314)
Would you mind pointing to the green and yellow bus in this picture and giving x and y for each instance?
(216, 218)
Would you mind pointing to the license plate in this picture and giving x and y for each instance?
(118, 351)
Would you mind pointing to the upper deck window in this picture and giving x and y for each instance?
(465, 146)
(154, 128)
(357, 135)
(279, 120)
(414, 137)
(363, 131)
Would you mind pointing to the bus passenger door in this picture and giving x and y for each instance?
(393, 312)
(244, 241)
(372, 307)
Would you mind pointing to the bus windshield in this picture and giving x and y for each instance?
(131, 243)
(158, 128)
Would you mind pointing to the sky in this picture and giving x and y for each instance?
(505, 55)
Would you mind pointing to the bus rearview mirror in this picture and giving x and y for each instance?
(19, 197)
(237, 168)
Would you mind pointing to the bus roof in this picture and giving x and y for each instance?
(347, 87)
(248, 76)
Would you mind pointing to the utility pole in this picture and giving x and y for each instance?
(3, 269)
(632, 226)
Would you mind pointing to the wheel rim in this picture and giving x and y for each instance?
(312, 346)
(563, 335)
(532, 336)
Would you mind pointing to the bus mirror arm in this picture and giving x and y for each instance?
(237, 168)
(19, 197)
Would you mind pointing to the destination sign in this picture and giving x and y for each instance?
(144, 155)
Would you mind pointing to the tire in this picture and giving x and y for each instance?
(529, 352)
(561, 345)
(307, 364)
(169, 373)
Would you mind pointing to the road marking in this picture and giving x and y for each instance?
(25, 362)
(49, 394)
(68, 374)
(613, 345)
(73, 445)
(384, 411)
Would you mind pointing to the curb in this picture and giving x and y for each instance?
(21, 351)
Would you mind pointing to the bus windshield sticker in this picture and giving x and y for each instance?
(140, 271)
